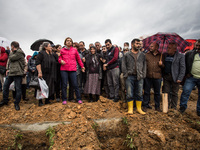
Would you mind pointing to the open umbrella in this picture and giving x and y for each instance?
(191, 41)
(4, 42)
(163, 39)
(36, 45)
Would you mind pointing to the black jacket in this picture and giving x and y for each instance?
(189, 58)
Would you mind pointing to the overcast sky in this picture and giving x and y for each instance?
(96, 20)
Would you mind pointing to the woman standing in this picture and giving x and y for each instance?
(67, 59)
(93, 74)
(46, 67)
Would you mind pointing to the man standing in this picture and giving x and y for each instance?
(16, 71)
(153, 78)
(98, 47)
(112, 67)
(174, 71)
(84, 53)
(134, 70)
(192, 59)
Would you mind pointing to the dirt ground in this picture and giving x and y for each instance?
(155, 130)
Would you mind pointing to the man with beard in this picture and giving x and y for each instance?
(112, 67)
(153, 77)
(192, 60)
(134, 70)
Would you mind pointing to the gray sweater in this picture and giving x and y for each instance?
(128, 65)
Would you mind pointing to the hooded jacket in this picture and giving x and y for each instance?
(3, 57)
(70, 56)
(32, 62)
(16, 63)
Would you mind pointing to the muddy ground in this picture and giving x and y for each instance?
(113, 130)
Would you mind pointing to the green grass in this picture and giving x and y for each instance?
(50, 132)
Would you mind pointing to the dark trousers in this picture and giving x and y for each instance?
(113, 82)
(58, 86)
(71, 89)
(23, 92)
(148, 83)
(73, 79)
(18, 82)
(171, 87)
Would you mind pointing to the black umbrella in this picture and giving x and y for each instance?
(36, 45)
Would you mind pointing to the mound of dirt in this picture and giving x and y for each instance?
(99, 125)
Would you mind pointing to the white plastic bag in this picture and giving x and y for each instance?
(12, 85)
(44, 89)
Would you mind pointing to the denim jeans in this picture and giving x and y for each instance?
(187, 89)
(18, 85)
(71, 90)
(113, 82)
(73, 80)
(134, 89)
(156, 83)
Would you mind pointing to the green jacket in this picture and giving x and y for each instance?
(16, 63)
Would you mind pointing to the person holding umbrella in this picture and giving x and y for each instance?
(46, 68)
(173, 73)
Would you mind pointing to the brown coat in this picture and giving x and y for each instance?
(153, 69)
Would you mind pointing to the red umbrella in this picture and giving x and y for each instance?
(163, 39)
(191, 41)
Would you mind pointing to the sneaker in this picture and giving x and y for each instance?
(64, 102)
(80, 102)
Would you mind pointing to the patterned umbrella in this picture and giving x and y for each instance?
(36, 45)
(163, 39)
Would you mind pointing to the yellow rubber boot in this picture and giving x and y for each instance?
(130, 107)
(139, 109)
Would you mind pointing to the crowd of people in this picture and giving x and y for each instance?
(127, 74)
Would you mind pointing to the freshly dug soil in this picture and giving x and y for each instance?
(155, 130)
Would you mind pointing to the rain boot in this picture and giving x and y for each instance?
(40, 102)
(139, 109)
(130, 107)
